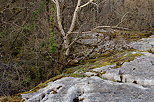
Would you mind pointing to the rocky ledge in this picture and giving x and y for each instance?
(92, 89)
(131, 82)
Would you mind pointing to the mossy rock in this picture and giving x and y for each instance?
(42, 85)
(110, 58)
(117, 58)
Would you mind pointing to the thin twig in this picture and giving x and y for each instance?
(122, 19)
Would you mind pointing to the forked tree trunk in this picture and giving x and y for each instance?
(66, 42)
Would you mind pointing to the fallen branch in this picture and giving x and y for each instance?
(103, 27)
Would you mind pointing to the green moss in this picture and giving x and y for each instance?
(114, 80)
(76, 75)
(85, 68)
(101, 64)
(122, 57)
(55, 78)
(108, 58)
(70, 70)
(104, 78)
(42, 85)
(91, 60)
(117, 58)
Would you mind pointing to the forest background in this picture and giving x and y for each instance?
(31, 44)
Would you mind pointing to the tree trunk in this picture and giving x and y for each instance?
(66, 45)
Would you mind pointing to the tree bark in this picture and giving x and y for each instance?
(66, 43)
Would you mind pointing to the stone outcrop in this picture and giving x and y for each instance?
(103, 40)
(131, 82)
(139, 71)
(144, 44)
(90, 89)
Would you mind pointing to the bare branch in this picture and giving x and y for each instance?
(73, 42)
(90, 1)
(58, 17)
(82, 32)
(122, 19)
(74, 17)
(54, 1)
(95, 4)
(86, 4)
(102, 27)
(78, 7)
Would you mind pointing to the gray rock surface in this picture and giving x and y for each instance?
(102, 41)
(132, 82)
(139, 71)
(90, 89)
(144, 44)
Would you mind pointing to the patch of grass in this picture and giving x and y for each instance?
(100, 64)
(122, 57)
(117, 58)
(71, 70)
(114, 80)
(76, 75)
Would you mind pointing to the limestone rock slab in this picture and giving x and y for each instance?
(91, 89)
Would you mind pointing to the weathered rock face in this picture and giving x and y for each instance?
(144, 45)
(97, 42)
(103, 41)
(132, 82)
(92, 89)
(139, 71)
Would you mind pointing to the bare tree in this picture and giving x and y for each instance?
(66, 43)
